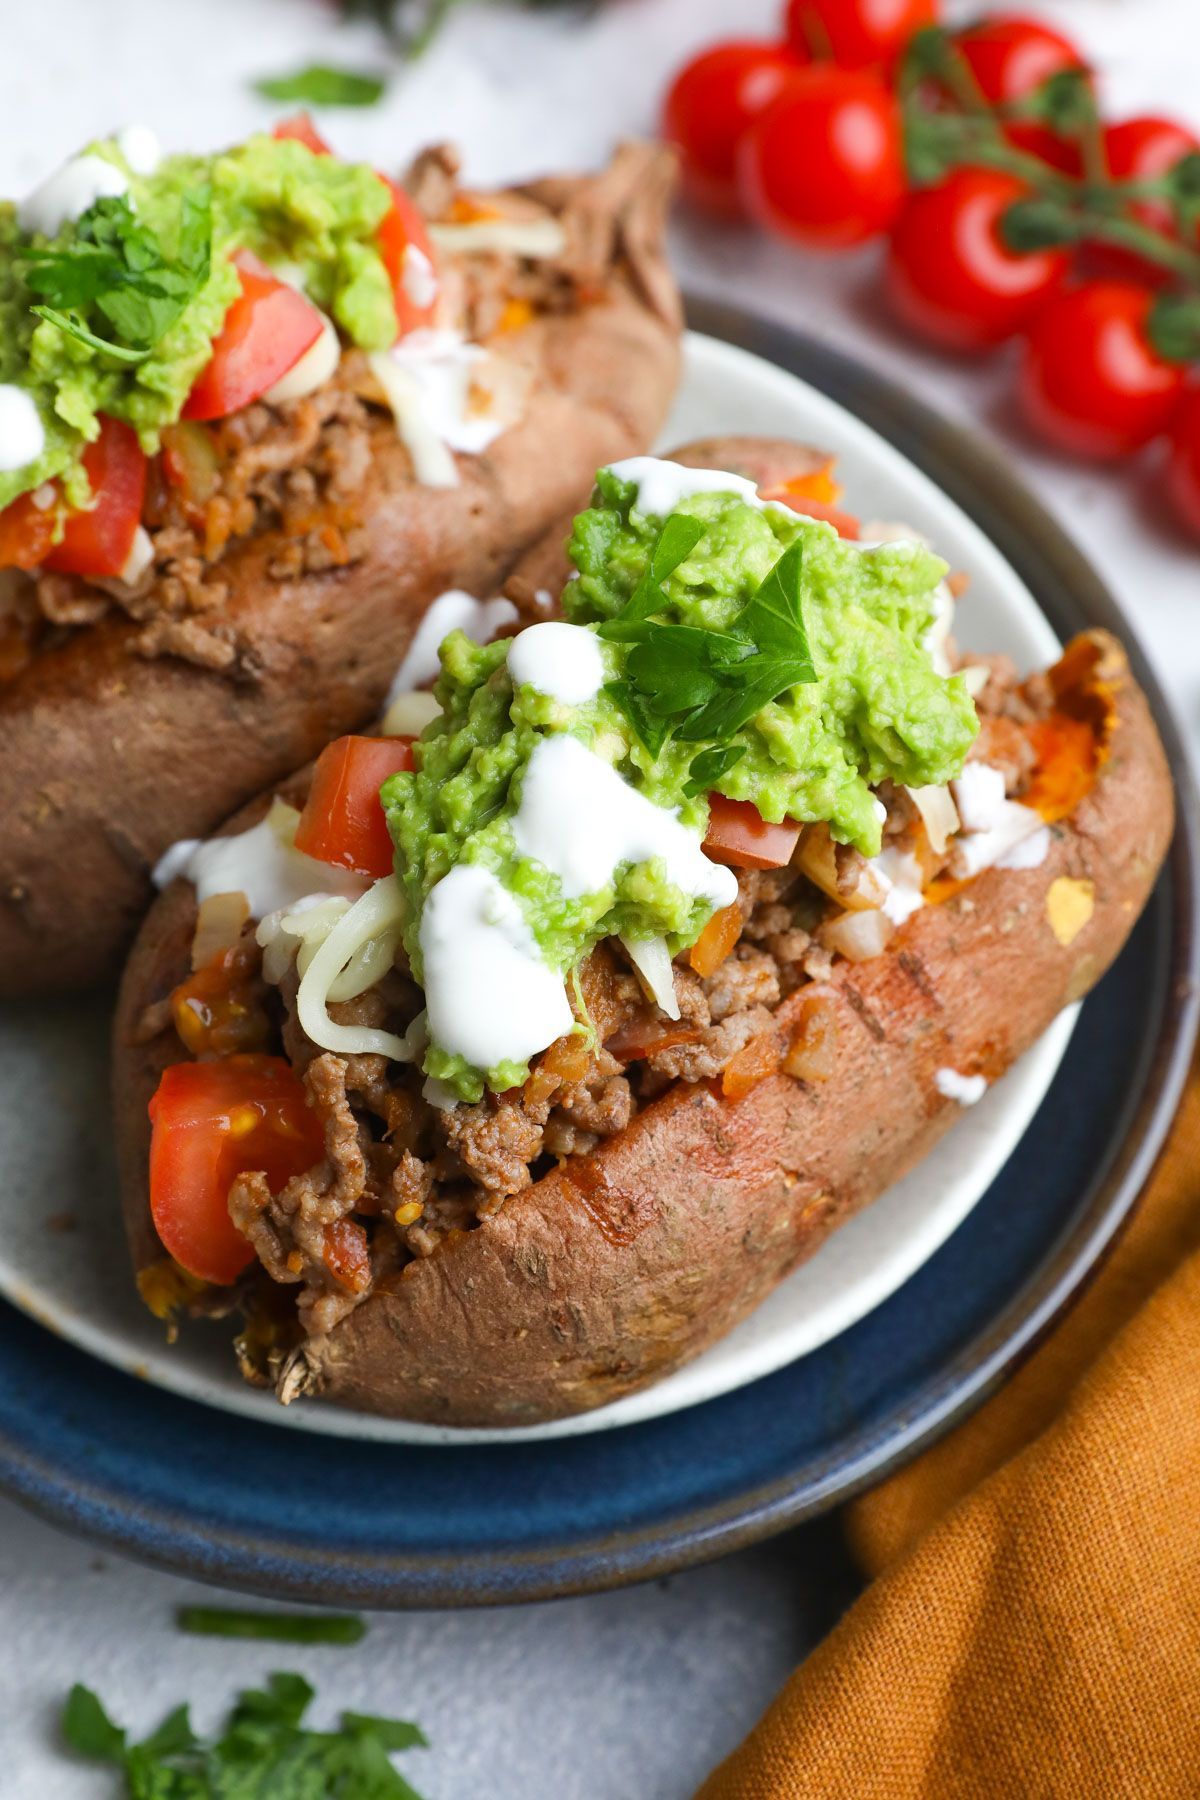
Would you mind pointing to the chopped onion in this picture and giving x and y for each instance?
(381, 910)
(141, 555)
(651, 957)
(816, 854)
(938, 813)
(858, 936)
(511, 237)
(219, 925)
(409, 714)
(975, 678)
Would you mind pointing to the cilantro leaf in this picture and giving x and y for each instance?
(709, 766)
(675, 543)
(264, 1752)
(652, 728)
(117, 267)
(320, 85)
(280, 1627)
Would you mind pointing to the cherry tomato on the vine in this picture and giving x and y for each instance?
(951, 276)
(1011, 57)
(1183, 468)
(824, 164)
(1141, 149)
(1092, 381)
(857, 33)
(709, 106)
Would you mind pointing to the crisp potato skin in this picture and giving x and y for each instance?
(108, 759)
(618, 1267)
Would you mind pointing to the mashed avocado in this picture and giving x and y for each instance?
(871, 707)
(274, 198)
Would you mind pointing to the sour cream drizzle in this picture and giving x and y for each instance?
(490, 995)
(258, 863)
(140, 148)
(22, 435)
(996, 832)
(455, 610)
(968, 1090)
(561, 661)
(69, 192)
(580, 820)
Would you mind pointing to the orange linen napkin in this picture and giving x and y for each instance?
(1033, 1630)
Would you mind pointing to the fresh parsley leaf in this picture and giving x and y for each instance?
(264, 1751)
(117, 267)
(88, 1729)
(709, 766)
(675, 543)
(652, 728)
(279, 1627)
(320, 85)
(772, 625)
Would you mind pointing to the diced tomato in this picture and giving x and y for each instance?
(343, 821)
(792, 493)
(716, 940)
(344, 1253)
(300, 129)
(403, 227)
(648, 1032)
(266, 332)
(97, 540)
(26, 532)
(739, 835)
(211, 1122)
(750, 1065)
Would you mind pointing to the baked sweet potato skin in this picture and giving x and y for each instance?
(108, 759)
(618, 1267)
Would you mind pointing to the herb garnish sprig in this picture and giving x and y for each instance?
(264, 1752)
(699, 685)
(116, 267)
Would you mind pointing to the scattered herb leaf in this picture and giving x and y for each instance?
(709, 766)
(117, 267)
(277, 1627)
(263, 1750)
(676, 541)
(320, 85)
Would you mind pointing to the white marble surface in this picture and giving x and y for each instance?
(621, 1695)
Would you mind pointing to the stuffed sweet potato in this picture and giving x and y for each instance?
(418, 1234)
(242, 580)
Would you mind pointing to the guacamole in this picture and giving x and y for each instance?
(177, 228)
(864, 704)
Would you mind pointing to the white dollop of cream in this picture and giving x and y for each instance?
(581, 821)
(968, 1090)
(258, 863)
(22, 434)
(434, 383)
(418, 277)
(997, 832)
(140, 148)
(69, 192)
(562, 661)
(312, 369)
(490, 995)
(455, 610)
(662, 485)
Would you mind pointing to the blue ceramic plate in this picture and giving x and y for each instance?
(253, 1506)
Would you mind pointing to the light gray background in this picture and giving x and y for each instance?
(627, 1696)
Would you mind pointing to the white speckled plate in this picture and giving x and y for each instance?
(62, 1253)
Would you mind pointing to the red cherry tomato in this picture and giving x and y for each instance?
(738, 834)
(212, 1121)
(1141, 149)
(266, 332)
(343, 821)
(708, 108)
(1183, 469)
(951, 276)
(1010, 57)
(857, 33)
(301, 130)
(824, 163)
(403, 227)
(1092, 381)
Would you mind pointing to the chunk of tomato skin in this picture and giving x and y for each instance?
(403, 226)
(97, 539)
(299, 129)
(213, 1121)
(266, 332)
(739, 836)
(26, 532)
(343, 821)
